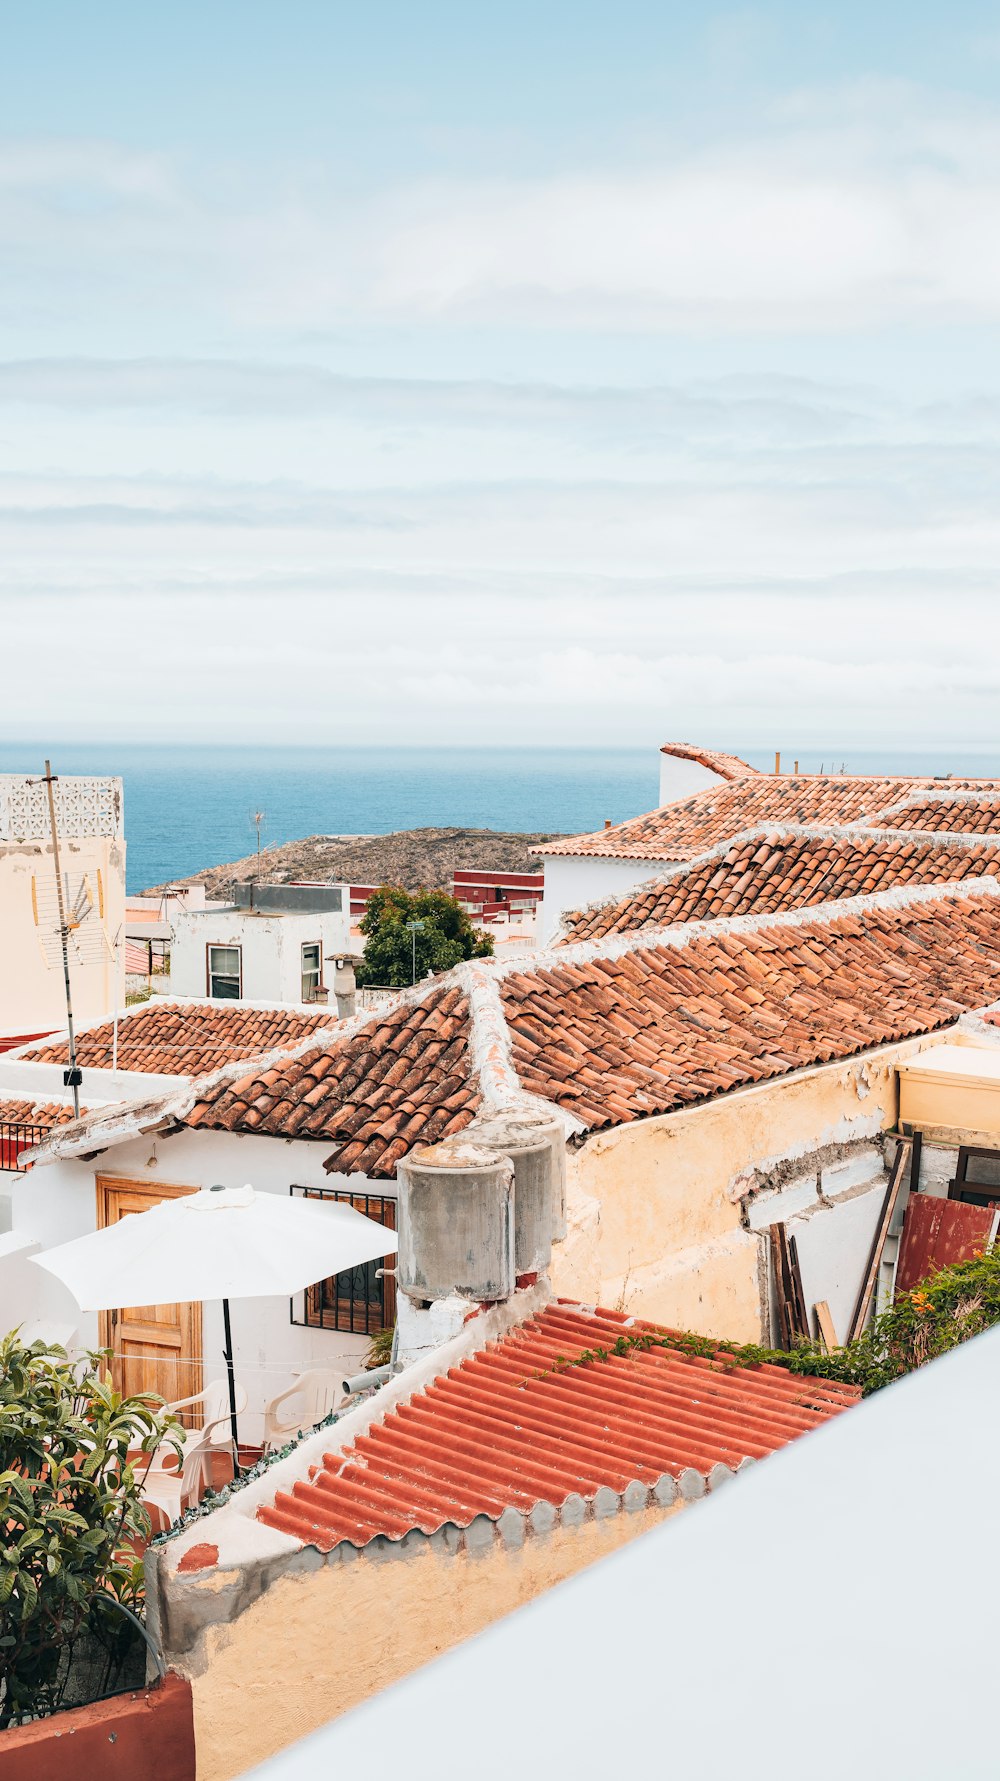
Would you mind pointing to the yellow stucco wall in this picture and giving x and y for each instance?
(653, 1208)
(317, 1644)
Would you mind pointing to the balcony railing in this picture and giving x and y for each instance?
(13, 1139)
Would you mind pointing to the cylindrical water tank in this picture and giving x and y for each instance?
(456, 1223)
(530, 1151)
(545, 1125)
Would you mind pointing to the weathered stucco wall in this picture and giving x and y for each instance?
(321, 1641)
(656, 1209)
(32, 995)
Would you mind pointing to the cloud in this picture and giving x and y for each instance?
(853, 208)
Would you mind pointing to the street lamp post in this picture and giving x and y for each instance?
(413, 926)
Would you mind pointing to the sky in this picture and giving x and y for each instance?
(561, 373)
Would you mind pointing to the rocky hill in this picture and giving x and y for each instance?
(415, 858)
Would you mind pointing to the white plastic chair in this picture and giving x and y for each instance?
(318, 1391)
(215, 1402)
(172, 1489)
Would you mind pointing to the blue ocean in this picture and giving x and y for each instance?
(191, 807)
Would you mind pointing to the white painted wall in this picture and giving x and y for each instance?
(57, 1201)
(681, 779)
(271, 944)
(571, 880)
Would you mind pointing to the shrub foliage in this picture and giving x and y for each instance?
(446, 938)
(70, 1512)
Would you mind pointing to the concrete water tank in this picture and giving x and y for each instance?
(530, 1151)
(545, 1125)
(456, 1223)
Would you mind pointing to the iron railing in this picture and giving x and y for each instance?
(15, 1137)
(359, 1301)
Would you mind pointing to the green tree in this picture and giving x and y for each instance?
(445, 939)
(70, 1512)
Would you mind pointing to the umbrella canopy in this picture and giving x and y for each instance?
(222, 1243)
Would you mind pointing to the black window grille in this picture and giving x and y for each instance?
(15, 1137)
(357, 1302)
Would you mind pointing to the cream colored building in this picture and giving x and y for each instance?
(92, 857)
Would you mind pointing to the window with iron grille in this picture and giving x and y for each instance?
(357, 1301)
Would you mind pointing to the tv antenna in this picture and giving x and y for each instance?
(69, 920)
(258, 818)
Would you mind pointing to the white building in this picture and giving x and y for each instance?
(272, 943)
(92, 860)
(576, 876)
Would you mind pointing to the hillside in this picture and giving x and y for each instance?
(416, 858)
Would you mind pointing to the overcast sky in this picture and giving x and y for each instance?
(571, 370)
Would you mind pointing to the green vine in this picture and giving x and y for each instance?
(939, 1314)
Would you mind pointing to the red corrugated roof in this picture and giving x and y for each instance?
(504, 1430)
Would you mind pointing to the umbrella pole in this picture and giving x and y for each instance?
(227, 1355)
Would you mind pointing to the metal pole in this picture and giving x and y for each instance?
(74, 1081)
(413, 937)
(227, 1355)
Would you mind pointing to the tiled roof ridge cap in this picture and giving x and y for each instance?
(129, 1119)
(482, 1331)
(681, 934)
(491, 1050)
(717, 760)
(961, 840)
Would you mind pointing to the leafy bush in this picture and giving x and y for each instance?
(446, 938)
(70, 1512)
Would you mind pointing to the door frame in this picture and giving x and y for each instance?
(189, 1377)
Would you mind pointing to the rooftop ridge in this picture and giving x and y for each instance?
(846, 833)
(728, 766)
(681, 934)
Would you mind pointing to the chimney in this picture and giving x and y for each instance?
(777, 762)
(607, 822)
(345, 983)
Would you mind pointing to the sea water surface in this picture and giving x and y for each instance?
(188, 808)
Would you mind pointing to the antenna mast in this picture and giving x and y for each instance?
(72, 1076)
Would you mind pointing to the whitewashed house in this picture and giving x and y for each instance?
(271, 943)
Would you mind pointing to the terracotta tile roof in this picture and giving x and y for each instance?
(728, 766)
(491, 1435)
(616, 1038)
(186, 1038)
(970, 815)
(690, 826)
(36, 1113)
(401, 1080)
(759, 873)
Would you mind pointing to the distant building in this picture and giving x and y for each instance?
(272, 943)
(499, 896)
(92, 858)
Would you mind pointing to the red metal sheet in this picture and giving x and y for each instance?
(937, 1233)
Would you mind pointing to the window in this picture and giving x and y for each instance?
(977, 1176)
(312, 970)
(225, 972)
(357, 1301)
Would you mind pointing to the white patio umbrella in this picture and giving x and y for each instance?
(222, 1243)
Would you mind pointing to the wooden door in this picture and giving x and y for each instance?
(155, 1348)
